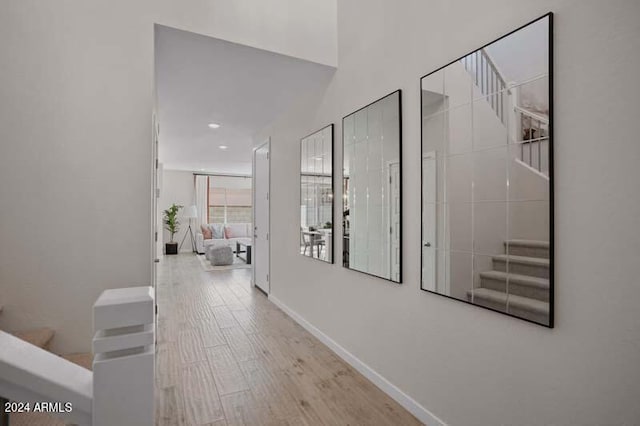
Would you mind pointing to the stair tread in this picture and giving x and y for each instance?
(39, 337)
(519, 302)
(35, 419)
(83, 359)
(516, 278)
(528, 243)
(538, 261)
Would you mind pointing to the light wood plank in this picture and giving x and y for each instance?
(226, 371)
(246, 320)
(230, 299)
(220, 422)
(190, 346)
(268, 387)
(224, 318)
(269, 348)
(167, 364)
(211, 334)
(243, 409)
(239, 343)
(200, 395)
(169, 407)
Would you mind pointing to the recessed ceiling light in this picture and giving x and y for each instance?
(214, 125)
(202, 170)
(223, 147)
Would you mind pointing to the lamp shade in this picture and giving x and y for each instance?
(190, 212)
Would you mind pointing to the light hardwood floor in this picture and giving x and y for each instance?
(228, 356)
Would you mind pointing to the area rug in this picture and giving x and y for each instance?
(237, 264)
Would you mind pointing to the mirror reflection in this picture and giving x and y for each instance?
(372, 189)
(486, 181)
(316, 195)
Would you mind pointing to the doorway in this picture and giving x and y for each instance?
(429, 220)
(261, 184)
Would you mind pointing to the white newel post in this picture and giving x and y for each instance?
(123, 365)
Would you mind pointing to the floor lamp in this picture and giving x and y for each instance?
(190, 212)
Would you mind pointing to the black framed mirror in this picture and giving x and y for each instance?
(487, 176)
(316, 195)
(372, 189)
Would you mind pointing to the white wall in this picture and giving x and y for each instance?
(521, 57)
(501, 370)
(230, 182)
(76, 95)
(178, 188)
(305, 29)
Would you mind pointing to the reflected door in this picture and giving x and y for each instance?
(429, 222)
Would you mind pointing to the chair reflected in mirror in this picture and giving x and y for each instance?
(314, 242)
(316, 195)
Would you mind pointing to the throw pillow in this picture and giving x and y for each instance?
(206, 232)
(236, 230)
(218, 231)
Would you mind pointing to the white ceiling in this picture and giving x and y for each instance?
(200, 80)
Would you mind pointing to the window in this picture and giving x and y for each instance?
(230, 199)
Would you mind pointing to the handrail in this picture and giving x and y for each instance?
(488, 79)
(532, 169)
(119, 391)
(123, 364)
(531, 128)
(534, 131)
(539, 117)
(30, 374)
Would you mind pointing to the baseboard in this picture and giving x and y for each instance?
(421, 413)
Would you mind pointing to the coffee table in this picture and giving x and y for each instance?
(244, 247)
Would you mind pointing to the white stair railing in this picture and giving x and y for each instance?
(488, 79)
(528, 128)
(30, 375)
(119, 391)
(123, 363)
(532, 131)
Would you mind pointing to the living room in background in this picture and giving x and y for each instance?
(316, 195)
(228, 226)
(229, 199)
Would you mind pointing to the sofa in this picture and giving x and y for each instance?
(223, 234)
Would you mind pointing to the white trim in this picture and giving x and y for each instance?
(535, 115)
(531, 169)
(411, 405)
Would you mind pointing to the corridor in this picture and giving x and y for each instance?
(228, 356)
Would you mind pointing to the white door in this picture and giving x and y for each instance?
(156, 221)
(429, 222)
(394, 198)
(260, 255)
